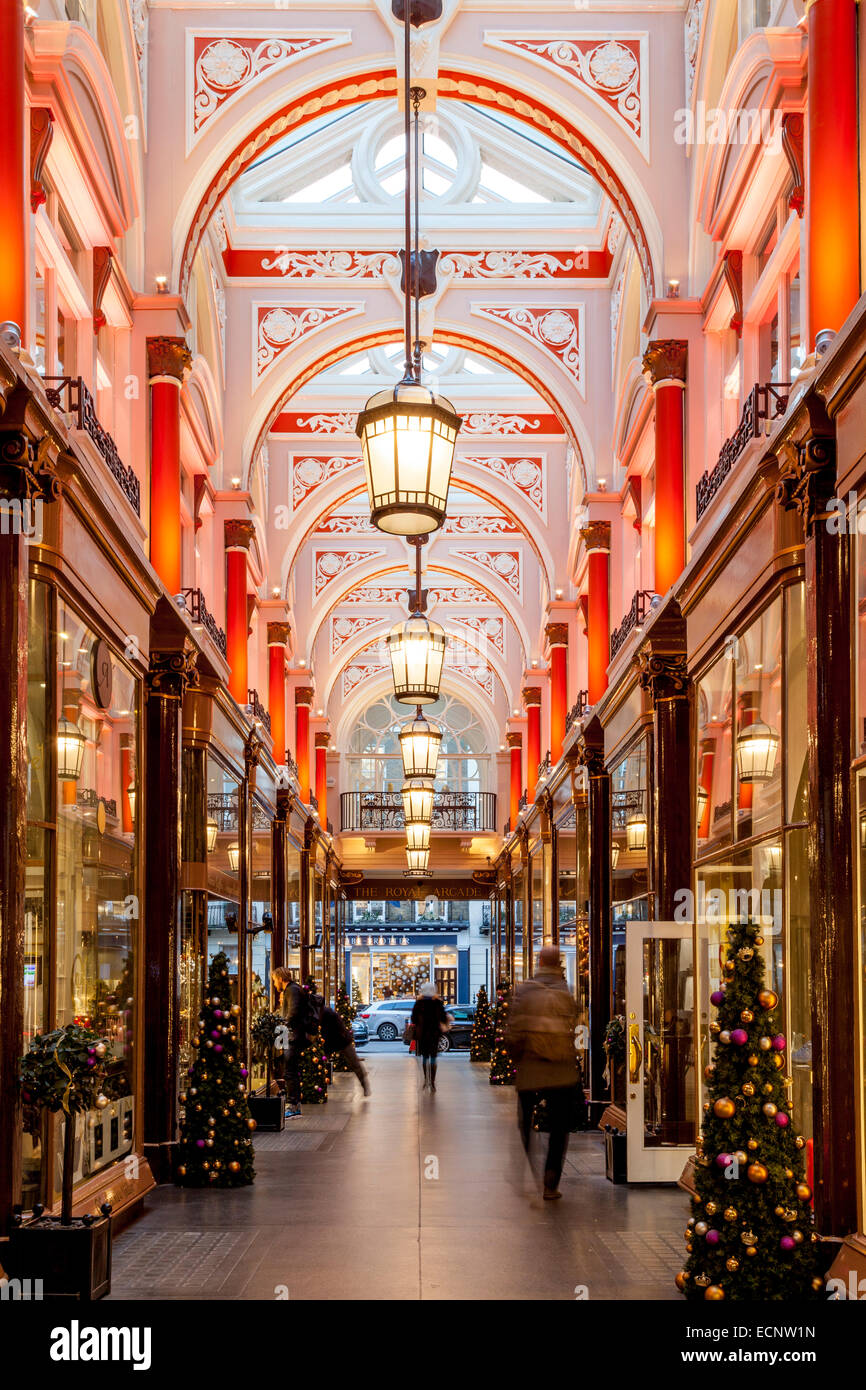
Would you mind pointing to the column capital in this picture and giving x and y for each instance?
(239, 533)
(304, 695)
(171, 672)
(556, 634)
(322, 739)
(663, 675)
(514, 740)
(596, 536)
(665, 360)
(168, 356)
(531, 695)
(279, 634)
(807, 478)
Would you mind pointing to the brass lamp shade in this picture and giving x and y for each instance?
(70, 750)
(418, 800)
(418, 859)
(417, 651)
(636, 832)
(408, 437)
(757, 748)
(420, 741)
(234, 853)
(418, 835)
(212, 831)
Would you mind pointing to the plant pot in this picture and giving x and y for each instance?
(615, 1155)
(72, 1261)
(269, 1112)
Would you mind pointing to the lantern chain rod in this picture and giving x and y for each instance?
(417, 94)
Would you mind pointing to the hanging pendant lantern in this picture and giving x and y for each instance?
(212, 831)
(234, 853)
(614, 856)
(70, 750)
(417, 651)
(408, 437)
(418, 835)
(418, 861)
(418, 800)
(757, 748)
(702, 800)
(420, 741)
(636, 832)
(130, 796)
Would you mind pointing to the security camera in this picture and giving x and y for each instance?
(10, 335)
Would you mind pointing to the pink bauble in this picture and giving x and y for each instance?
(244, 1071)
(217, 1013)
(779, 1042)
(724, 1160)
(717, 997)
(218, 1047)
(215, 1033)
(713, 1237)
(740, 1037)
(781, 1119)
(787, 1243)
(199, 1143)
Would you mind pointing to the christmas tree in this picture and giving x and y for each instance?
(750, 1237)
(502, 1068)
(313, 1073)
(216, 1149)
(481, 1039)
(357, 1001)
(346, 1011)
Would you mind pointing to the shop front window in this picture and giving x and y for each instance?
(223, 866)
(399, 974)
(97, 881)
(260, 925)
(517, 909)
(758, 709)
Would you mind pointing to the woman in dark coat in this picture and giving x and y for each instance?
(429, 1021)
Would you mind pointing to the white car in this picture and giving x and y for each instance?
(386, 1018)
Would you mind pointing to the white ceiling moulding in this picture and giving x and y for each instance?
(222, 64)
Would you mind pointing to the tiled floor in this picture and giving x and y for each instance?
(411, 1196)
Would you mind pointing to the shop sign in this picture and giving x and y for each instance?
(384, 890)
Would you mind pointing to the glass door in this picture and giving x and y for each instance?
(660, 1058)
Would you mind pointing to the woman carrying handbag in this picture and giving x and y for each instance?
(428, 1022)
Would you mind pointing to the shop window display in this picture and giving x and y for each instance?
(630, 832)
(223, 873)
(260, 926)
(97, 881)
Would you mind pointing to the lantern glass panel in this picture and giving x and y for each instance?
(408, 437)
(418, 859)
(418, 835)
(416, 648)
(420, 742)
(418, 800)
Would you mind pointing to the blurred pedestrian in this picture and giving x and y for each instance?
(429, 1021)
(339, 1039)
(540, 1038)
(292, 1006)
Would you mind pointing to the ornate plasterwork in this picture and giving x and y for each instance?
(331, 265)
(611, 69)
(378, 596)
(345, 627)
(222, 63)
(333, 422)
(490, 630)
(310, 472)
(493, 424)
(509, 265)
(556, 328)
(355, 674)
(527, 474)
(346, 524)
(328, 565)
(505, 564)
(692, 24)
(615, 302)
(277, 327)
(474, 524)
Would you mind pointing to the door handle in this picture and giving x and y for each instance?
(635, 1053)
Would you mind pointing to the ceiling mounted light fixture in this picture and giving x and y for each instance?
(408, 434)
(420, 741)
(70, 750)
(418, 861)
(416, 648)
(417, 796)
(234, 853)
(614, 856)
(418, 835)
(212, 831)
(636, 832)
(757, 747)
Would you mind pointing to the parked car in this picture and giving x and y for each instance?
(460, 1034)
(386, 1018)
(360, 1032)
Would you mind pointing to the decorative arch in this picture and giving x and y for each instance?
(372, 636)
(452, 683)
(487, 85)
(550, 390)
(201, 403)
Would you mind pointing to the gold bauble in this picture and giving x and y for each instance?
(759, 941)
(778, 1061)
(715, 1028)
(706, 1107)
(251, 1124)
(745, 953)
(711, 1208)
(768, 999)
(817, 1284)
(751, 1250)
(779, 1211)
(789, 1172)
(765, 1044)
(729, 967)
(714, 1294)
(770, 1110)
(234, 1166)
(709, 1072)
(767, 1088)
(725, 1037)
(730, 1213)
(681, 1279)
(701, 1228)
(732, 1264)
(804, 1191)
(747, 1016)
(741, 1156)
(751, 1144)
(757, 1172)
(702, 1280)
(748, 1089)
(235, 1009)
(799, 1142)
(181, 1172)
(753, 1059)
(724, 1108)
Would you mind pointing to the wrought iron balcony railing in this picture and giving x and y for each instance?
(257, 709)
(624, 804)
(578, 710)
(451, 811)
(70, 395)
(640, 606)
(544, 766)
(763, 403)
(202, 617)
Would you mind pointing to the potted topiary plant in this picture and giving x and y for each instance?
(269, 1112)
(63, 1072)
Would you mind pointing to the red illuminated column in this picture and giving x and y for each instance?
(832, 193)
(532, 705)
(322, 740)
(238, 537)
(515, 745)
(557, 638)
(303, 703)
(596, 538)
(13, 168)
(708, 758)
(167, 360)
(278, 637)
(665, 362)
(127, 779)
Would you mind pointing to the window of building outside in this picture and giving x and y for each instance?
(750, 817)
(97, 913)
(374, 757)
